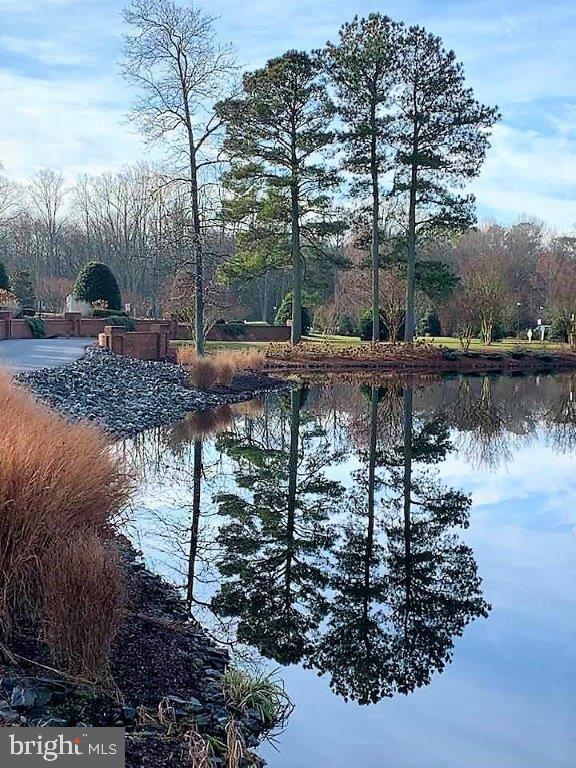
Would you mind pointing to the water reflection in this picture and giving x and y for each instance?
(316, 529)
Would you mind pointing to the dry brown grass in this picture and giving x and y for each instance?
(82, 606)
(218, 368)
(59, 488)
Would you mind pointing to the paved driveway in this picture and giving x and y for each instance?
(31, 354)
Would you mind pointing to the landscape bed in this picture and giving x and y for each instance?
(411, 358)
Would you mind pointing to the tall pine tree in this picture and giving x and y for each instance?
(362, 68)
(440, 135)
(278, 131)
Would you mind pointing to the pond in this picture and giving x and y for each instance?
(401, 552)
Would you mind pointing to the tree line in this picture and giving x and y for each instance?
(322, 174)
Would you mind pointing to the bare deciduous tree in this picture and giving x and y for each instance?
(47, 191)
(179, 69)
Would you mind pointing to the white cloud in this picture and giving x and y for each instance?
(43, 51)
(530, 172)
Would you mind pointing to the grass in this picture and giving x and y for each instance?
(261, 692)
(60, 494)
(503, 346)
(219, 367)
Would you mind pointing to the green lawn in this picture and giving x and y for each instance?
(347, 341)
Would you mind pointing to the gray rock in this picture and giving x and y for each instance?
(124, 395)
(30, 696)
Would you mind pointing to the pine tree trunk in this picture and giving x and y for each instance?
(375, 249)
(296, 334)
(411, 260)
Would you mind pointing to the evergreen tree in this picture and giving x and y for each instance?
(440, 137)
(4, 282)
(285, 312)
(362, 67)
(96, 282)
(277, 131)
(23, 289)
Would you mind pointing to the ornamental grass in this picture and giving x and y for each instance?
(61, 493)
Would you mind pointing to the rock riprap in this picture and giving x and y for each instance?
(125, 396)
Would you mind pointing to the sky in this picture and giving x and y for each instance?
(63, 102)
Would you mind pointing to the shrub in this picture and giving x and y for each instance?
(347, 326)
(284, 314)
(4, 282)
(234, 330)
(560, 329)
(59, 487)
(429, 324)
(205, 372)
(109, 313)
(22, 288)
(365, 327)
(37, 326)
(122, 320)
(8, 300)
(95, 282)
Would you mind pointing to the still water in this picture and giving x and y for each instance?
(403, 552)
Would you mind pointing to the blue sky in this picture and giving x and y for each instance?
(63, 102)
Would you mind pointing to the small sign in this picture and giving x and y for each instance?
(539, 321)
(128, 308)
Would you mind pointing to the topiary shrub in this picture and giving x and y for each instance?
(23, 289)
(96, 282)
(429, 324)
(4, 282)
(125, 322)
(284, 314)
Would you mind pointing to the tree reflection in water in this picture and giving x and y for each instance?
(278, 536)
(365, 579)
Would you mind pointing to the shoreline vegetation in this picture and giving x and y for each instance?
(421, 357)
(425, 356)
(131, 655)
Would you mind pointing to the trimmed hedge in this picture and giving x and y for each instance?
(109, 313)
(96, 282)
(122, 320)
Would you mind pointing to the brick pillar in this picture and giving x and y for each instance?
(74, 318)
(115, 338)
(5, 324)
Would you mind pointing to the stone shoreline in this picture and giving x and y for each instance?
(167, 671)
(166, 674)
(125, 396)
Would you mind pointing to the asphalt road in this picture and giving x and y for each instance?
(31, 354)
